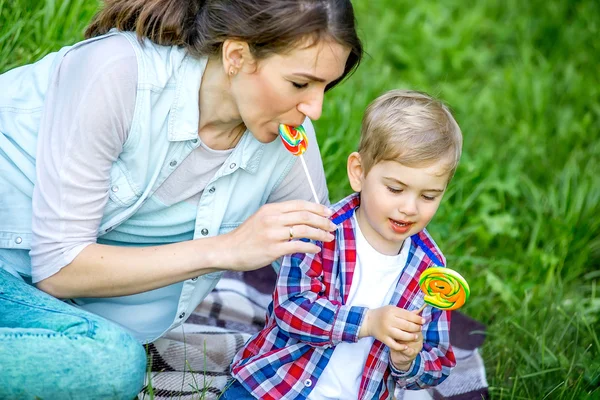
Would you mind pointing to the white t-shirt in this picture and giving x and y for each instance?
(373, 283)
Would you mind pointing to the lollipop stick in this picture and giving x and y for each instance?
(309, 180)
(420, 309)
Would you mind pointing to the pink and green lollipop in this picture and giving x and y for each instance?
(294, 139)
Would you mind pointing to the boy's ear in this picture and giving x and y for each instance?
(355, 172)
(236, 54)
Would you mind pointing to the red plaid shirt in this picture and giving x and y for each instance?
(308, 317)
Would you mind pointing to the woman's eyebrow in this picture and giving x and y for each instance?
(309, 76)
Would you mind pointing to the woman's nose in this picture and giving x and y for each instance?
(312, 107)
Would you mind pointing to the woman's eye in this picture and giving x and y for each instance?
(394, 190)
(428, 198)
(299, 85)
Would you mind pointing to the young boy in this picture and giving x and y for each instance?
(342, 324)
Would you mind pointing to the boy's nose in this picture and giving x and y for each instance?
(409, 207)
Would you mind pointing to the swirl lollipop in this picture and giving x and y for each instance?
(444, 288)
(296, 142)
(294, 139)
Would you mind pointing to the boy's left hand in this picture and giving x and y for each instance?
(403, 359)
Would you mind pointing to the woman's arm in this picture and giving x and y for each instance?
(105, 271)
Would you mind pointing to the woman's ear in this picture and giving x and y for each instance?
(355, 172)
(236, 54)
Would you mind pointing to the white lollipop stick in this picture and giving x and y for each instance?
(312, 187)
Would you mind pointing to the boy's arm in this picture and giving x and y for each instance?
(435, 361)
(303, 311)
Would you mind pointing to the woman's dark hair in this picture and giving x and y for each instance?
(201, 26)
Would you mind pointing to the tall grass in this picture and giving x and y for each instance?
(521, 217)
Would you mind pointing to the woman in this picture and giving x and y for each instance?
(138, 165)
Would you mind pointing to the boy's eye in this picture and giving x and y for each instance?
(299, 85)
(394, 190)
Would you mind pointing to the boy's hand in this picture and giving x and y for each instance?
(395, 327)
(404, 358)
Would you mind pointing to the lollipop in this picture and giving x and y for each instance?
(294, 139)
(444, 288)
(296, 142)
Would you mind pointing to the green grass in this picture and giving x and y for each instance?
(521, 219)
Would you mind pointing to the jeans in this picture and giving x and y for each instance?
(235, 391)
(51, 350)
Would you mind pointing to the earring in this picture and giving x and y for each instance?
(231, 72)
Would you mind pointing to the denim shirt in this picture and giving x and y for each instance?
(163, 132)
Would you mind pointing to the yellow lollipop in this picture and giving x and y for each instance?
(444, 288)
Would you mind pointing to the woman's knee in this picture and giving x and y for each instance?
(38, 363)
(52, 350)
(122, 358)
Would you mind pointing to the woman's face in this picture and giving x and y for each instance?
(286, 88)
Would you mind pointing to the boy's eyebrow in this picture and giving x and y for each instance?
(309, 76)
(404, 184)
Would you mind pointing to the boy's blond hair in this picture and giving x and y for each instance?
(411, 128)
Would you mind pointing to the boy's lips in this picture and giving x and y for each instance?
(400, 226)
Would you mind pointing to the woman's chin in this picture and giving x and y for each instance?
(266, 137)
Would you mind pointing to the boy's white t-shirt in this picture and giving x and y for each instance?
(373, 283)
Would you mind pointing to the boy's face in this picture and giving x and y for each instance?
(396, 201)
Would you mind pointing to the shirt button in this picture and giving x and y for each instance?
(232, 166)
(211, 190)
(204, 232)
(308, 383)
(194, 141)
(181, 315)
(173, 163)
(18, 240)
(114, 188)
(194, 279)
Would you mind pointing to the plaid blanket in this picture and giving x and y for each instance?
(192, 362)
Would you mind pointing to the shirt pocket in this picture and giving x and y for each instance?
(122, 193)
(215, 276)
(227, 227)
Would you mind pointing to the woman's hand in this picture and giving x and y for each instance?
(265, 236)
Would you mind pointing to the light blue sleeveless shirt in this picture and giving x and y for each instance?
(163, 132)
